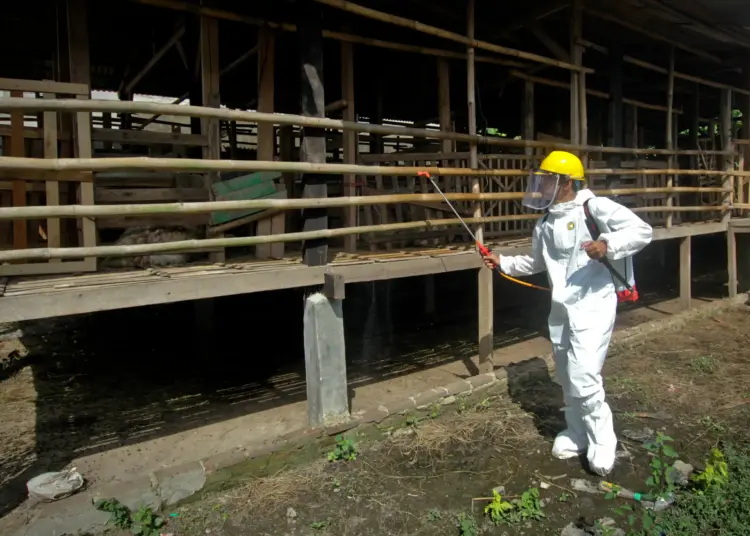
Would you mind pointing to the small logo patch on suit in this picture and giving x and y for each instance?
(571, 226)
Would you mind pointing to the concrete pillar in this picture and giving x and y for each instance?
(325, 360)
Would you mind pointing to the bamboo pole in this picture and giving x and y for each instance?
(327, 34)
(659, 69)
(105, 211)
(592, 92)
(140, 107)
(445, 34)
(638, 29)
(39, 254)
(17, 164)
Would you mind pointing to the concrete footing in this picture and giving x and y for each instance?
(325, 360)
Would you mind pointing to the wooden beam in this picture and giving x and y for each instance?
(349, 139)
(313, 145)
(552, 45)
(532, 17)
(155, 59)
(469, 41)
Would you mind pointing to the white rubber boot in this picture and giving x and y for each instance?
(572, 441)
(602, 449)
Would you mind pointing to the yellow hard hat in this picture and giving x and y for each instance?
(563, 163)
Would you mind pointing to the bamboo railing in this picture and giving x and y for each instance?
(32, 169)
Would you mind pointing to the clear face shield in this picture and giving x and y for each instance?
(542, 189)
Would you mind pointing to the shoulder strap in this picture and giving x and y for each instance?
(590, 221)
(544, 218)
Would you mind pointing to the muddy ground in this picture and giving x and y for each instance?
(690, 380)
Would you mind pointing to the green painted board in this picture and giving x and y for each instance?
(262, 180)
(252, 186)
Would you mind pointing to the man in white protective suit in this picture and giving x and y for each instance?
(586, 244)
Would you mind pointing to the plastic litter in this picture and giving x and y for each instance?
(55, 486)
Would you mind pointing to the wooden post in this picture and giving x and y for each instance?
(313, 145)
(726, 145)
(486, 327)
(447, 146)
(192, 39)
(685, 272)
(579, 92)
(446, 125)
(209, 56)
(349, 139)
(18, 149)
(732, 261)
(615, 109)
(267, 135)
(528, 116)
(80, 72)
(575, 113)
(631, 126)
(670, 141)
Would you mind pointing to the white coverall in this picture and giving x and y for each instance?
(582, 315)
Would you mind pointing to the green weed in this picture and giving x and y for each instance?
(141, 523)
(467, 525)
(704, 365)
(345, 450)
(526, 508)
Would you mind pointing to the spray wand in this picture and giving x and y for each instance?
(483, 250)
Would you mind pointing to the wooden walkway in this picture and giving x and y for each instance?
(28, 298)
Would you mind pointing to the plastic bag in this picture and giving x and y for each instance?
(55, 486)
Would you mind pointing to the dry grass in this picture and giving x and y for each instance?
(699, 368)
(495, 421)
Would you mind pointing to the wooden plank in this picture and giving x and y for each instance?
(313, 145)
(32, 175)
(52, 187)
(17, 148)
(147, 195)
(349, 138)
(145, 137)
(43, 86)
(44, 268)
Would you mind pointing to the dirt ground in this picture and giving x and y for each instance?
(690, 380)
